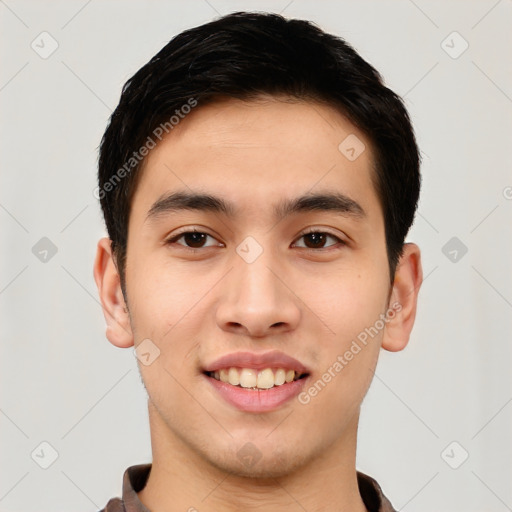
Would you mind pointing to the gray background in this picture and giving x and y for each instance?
(64, 384)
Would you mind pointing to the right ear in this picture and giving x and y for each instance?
(119, 331)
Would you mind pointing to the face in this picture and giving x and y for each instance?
(274, 281)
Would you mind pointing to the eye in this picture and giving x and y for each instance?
(192, 239)
(317, 240)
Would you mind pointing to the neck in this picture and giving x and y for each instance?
(182, 480)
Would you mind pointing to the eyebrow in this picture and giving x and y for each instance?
(326, 201)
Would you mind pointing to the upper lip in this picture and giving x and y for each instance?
(257, 361)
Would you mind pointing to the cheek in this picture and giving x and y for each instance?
(162, 294)
(348, 355)
(347, 301)
(170, 308)
(351, 305)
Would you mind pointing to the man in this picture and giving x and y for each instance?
(257, 181)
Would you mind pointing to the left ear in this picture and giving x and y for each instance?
(404, 298)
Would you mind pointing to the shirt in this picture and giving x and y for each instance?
(135, 478)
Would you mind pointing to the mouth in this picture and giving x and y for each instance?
(256, 382)
(254, 379)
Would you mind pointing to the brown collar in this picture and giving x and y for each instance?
(135, 478)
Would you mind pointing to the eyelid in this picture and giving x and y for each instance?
(326, 231)
(177, 235)
(320, 229)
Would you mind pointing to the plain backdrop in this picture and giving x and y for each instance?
(436, 424)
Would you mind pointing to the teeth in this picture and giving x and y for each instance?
(250, 378)
(234, 377)
(280, 377)
(265, 379)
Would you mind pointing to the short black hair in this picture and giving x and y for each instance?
(245, 55)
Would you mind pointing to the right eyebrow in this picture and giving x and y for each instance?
(177, 201)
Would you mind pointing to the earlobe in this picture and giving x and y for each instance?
(404, 298)
(107, 279)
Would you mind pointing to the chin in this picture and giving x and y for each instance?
(269, 464)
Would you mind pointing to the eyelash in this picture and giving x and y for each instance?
(339, 241)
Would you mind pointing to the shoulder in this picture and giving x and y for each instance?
(134, 479)
(372, 494)
(114, 505)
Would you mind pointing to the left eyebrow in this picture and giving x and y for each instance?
(186, 200)
(328, 201)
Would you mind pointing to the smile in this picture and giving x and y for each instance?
(251, 378)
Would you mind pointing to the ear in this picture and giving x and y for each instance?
(403, 300)
(119, 331)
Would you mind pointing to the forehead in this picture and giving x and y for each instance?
(254, 153)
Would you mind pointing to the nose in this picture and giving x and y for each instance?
(256, 300)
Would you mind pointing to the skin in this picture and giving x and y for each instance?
(310, 303)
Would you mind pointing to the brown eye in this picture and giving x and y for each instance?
(318, 239)
(192, 239)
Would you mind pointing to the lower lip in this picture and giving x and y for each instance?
(250, 400)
